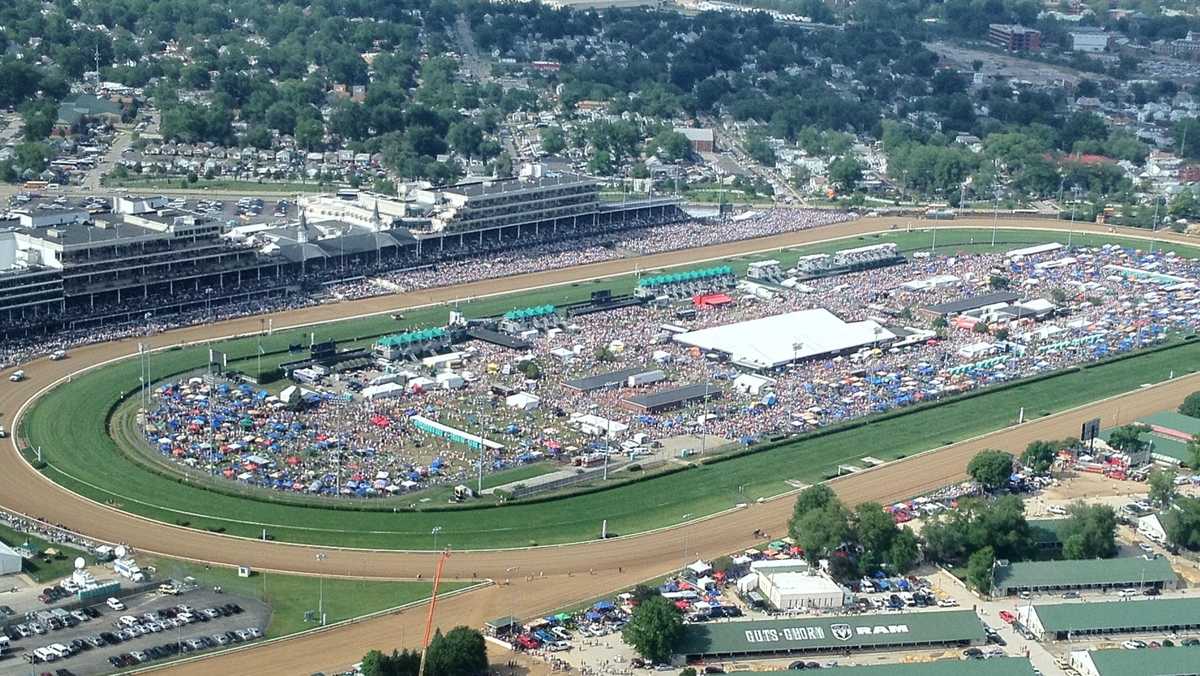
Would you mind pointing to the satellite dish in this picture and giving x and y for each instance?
(80, 564)
(120, 551)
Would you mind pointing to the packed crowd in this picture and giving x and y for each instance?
(472, 261)
(351, 446)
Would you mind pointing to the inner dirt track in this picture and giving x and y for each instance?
(529, 581)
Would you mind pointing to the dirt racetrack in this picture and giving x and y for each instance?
(560, 575)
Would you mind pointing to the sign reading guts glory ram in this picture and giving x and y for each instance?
(813, 634)
(841, 632)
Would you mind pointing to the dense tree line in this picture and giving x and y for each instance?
(855, 542)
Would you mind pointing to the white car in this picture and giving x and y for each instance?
(115, 603)
(1145, 547)
(1133, 645)
(254, 632)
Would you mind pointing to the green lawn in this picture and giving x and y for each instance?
(291, 596)
(40, 568)
(83, 458)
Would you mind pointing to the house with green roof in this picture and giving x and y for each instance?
(1060, 621)
(1137, 572)
(1178, 661)
(996, 666)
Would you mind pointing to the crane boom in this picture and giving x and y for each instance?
(437, 578)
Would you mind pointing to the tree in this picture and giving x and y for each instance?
(376, 663)
(760, 151)
(1127, 438)
(1193, 449)
(1183, 523)
(553, 141)
(653, 629)
(1162, 486)
(1038, 456)
(1090, 532)
(1187, 135)
(845, 172)
(689, 671)
(822, 531)
(875, 531)
(671, 146)
(460, 652)
(465, 138)
(991, 468)
(811, 498)
(979, 570)
(1191, 405)
(903, 554)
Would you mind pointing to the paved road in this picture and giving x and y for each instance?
(616, 564)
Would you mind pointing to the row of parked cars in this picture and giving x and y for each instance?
(48, 621)
(173, 648)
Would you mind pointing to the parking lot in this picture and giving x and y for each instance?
(150, 628)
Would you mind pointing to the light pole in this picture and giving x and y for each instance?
(321, 556)
(683, 532)
(995, 215)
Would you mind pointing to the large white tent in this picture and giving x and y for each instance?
(771, 342)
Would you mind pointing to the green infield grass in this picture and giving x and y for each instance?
(295, 599)
(84, 458)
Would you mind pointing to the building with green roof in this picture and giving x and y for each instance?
(1060, 621)
(800, 636)
(1173, 424)
(1178, 661)
(1049, 576)
(996, 666)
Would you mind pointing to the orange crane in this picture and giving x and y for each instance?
(437, 578)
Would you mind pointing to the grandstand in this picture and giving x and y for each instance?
(76, 269)
(682, 285)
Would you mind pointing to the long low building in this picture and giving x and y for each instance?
(1178, 661)
(1060, 621)
(996, 666)
(954, 628)
(1048, 576)
(601, 381)
(668, 400)
(966, 303)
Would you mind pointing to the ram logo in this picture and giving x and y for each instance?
(841, 631)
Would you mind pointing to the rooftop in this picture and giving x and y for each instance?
(997, 666)
(1172, 420)
(1162, 662)
(830, 633)
(1114, 615)
(1081, 573)
(515, 184)
(972, 302)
